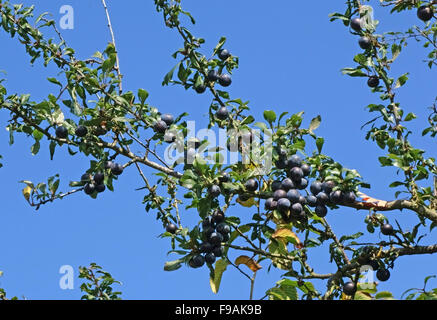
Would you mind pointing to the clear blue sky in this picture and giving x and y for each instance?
(290, 60)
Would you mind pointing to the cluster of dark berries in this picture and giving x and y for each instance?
(290, 202)
(223, 79)
(323, 193)
(93, 183)
(382, 274)
(215, 232)
(81, 131)
(163, 124)
(286, 196)
(116, 168)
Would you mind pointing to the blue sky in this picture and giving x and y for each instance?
(290, 60)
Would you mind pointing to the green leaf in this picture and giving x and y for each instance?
(173, 265)
(109, 64)
(270, 116)
(169, 75)
(384, 295)
(216, 278)
(410, 116)
(35, 148)
(401, 81)
(142, 94)
(315, 123)
(319, 144)
(55, 81)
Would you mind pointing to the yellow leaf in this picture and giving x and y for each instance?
(287, 234)
(26, 192)
(220, 267)
(249, 203)
(362, 295)
(249, 262)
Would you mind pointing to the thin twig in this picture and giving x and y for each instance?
(117, 65)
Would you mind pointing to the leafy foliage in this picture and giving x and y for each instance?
(91, 114)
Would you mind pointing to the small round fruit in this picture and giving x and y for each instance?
(321, 211)
(213, 75)
(207, 222)
(349, 288)
(216, 238)
(223, 228)
(206, 247)
(322, 198)
(383, 274)
(327, 186)
(61, 132)
(276, 185)
(90, 188)
(302, 184)
(294, 161)
(306, 168)
(349, 197)
(201, 88)
(296, 208)
(210, 258)
(311, 201)
(218, 217)
(168, 119)
(365, 42)
(356, 24)
(284, 205)
(271, 204)
(302, 200)
(251, 185)
(287, 184)
(81, 131)
(86, 177)
(160, 126)
(226, 237)
(172, 228)
(208, 232)
(218, 251)
(296, 174)
(278, 194)
(373, 264)
(214, 191)
(373, 81)
(190, 155)
(99, 177)
(225, 80)
(222, 113)
(109, 164)
(225, 177)
(100, 188)
(425, 13)
(281, 163)
(197, 261)
(117, 169)
(316, 187)
(293, 195)
(224, 54)
(282, 152)
(387, 229)
(336, 197)
(100, 131)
